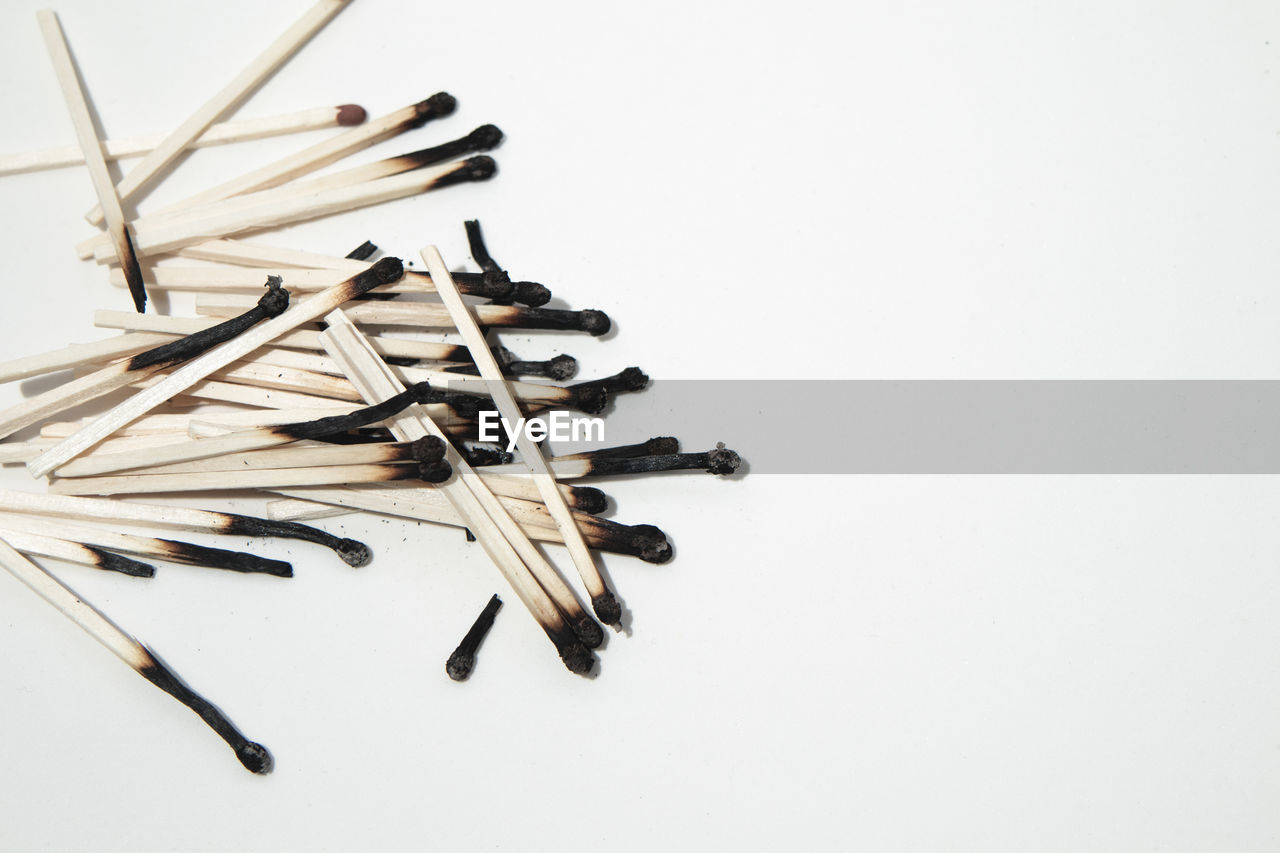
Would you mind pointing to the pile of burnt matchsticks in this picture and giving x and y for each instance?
(314, 379)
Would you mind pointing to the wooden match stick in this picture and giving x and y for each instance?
(79, 354)
(429, 315)
(34, 545)
(165, 549)
(352, 552)
(463, 659)
(241, 130)
(637, 540)
(545, 594)
(481, 139)
(387, 347)
(240, 253)
(232, 94)
(257, 439)
(120, 374)
(253, 756)
(273, 208)
(323, 153)
(91, 147)
(603, 600)
(384, 271)
(137, 484)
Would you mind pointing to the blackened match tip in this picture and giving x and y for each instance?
(350, 115)
(607, 608)
(274, 302)
(593, 322)
(435, 472)
(577, 657)
(722, 461)
(460, 665)
(562, 367)
(255, 757)
(388, 270)
(480, 168)
(651, 544)
(633, 379)
(485, 137)
(354, 553)
(589, 631)
(530, 293)
(124, 565)
(429, 448)
(590, 398)
(589, 499)
(437, 106)
(420, 392)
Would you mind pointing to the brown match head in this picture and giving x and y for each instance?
(593, 322)
(562, 367)
(437, 106)
(274, 302)
(350, 115)
(255, 758)
(607, 608)
(485, 137)
(530, 293)
(435, 472)
(589, 631)
(722, 460)
(460, 665)
(429, 448)
(355, 554)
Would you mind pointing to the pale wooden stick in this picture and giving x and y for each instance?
(323, 153)
(299, 455)
(544, 592)
(384, 272)
(35, 545)
(245, 279)
(387, 347)
(26, 451)
(602, 598)
(255, 255)
(240, 130)
(137, 484)
(91, 147)
(179, 424)
(232, 94)
(77, 355)
(253, 756)
(273, 208)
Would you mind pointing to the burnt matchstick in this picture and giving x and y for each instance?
(232, 94)
(120, 374)
(559, 368)
(255, 439)
(480, 254)
(253, 756)
(385, 271)
(284, 206)
(539, 586)
(352, 552)
(91, 147)
(35, 545)
(630, 379)
(463, 659)
(606, 605)
(719, 460)
(433, 316)
(660, 446)
(317, 156)
(241, 130)
(165, 549)
(362, 252)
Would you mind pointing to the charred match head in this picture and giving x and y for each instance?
(630, 379)
(429, 448)
(530, 293)
(588, 631)
(272, 304)
(362, 252)
(124, 565)
(722, 461)
(438, 105)
(577, 658)
(589, 499)
(607, 607)
(649, 543)
(254, 756)
(482, 138)
(438, 471)
(351, 115)
(463, 659)
(480, 168)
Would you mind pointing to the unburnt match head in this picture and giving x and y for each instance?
(351, 115)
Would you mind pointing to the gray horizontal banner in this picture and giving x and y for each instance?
(964, 427)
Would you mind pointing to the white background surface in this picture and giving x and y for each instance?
(981, 190)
